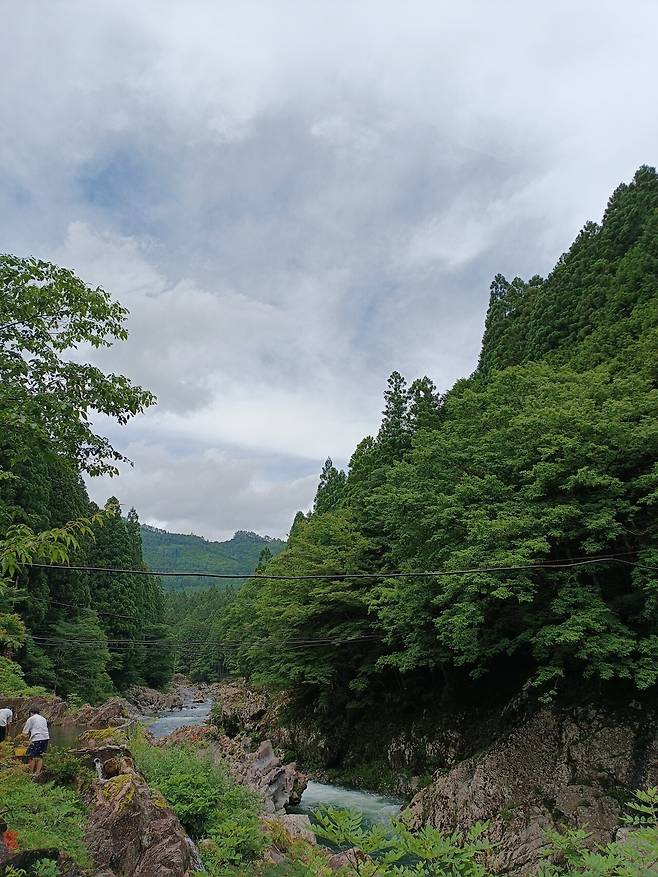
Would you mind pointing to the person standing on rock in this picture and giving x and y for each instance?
(36, 728)
(6, 718)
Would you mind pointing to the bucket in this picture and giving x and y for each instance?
(20, 751)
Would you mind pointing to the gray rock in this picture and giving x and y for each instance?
(558, 768)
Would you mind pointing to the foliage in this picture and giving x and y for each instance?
(12, 682)
(208, 803)
(45, 312)
(65, 768)
(45, 868)
(196, 621)
(635, 856)
(44, 816)
(546, 455)
(175, 551)
(48, 394)
(395, 850)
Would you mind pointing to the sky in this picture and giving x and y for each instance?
(294, 198)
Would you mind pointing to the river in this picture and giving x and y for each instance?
(190, 714)
(375, 808)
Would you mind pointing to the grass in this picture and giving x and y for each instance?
(43, 816)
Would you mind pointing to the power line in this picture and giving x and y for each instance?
(300, 641)
(193, 647)
(562, 563)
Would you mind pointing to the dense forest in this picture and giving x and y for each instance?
(542, 461)
(237, 556)
(80, 634)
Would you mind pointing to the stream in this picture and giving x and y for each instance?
(375, 808)
(190, 714)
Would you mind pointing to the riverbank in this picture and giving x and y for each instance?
(524, 768)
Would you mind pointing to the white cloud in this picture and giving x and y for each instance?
(293, 199)
(221, 492)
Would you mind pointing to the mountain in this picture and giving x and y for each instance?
(170, 552)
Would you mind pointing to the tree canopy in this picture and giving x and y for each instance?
(56, 622)
(545, 455)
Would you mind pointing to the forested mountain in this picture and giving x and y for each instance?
(81, 634)
(545, 456)
(174, 551)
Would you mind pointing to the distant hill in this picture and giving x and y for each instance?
(174, 551)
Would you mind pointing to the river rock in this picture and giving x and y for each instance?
(238, 708)
(114, 713)
(348, 859)
(557, 768)
(149, 701)
(132, 831)
(298, 827)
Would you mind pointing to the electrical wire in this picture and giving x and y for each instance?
(562, 563)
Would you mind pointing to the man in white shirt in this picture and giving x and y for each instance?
(6, 717)
(36, 728)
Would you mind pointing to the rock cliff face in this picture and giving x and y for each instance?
(557, 768)
(51, 707)
(150, 701)
(526, 770)
(113, 713)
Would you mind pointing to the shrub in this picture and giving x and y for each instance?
(427, 852)
(45, 868)
(66, 769)
(208, 803)
(43, 816)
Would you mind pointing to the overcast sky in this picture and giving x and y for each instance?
(295, 198)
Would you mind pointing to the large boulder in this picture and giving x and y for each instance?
(557, 768)
(114, 713)
(131, 831)
(265, 773)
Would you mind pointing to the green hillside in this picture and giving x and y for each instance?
(165, 551)
(541, 464)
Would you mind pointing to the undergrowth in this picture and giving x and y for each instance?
(217, 813)
(44, 816)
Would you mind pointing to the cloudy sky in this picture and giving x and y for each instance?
(296, 197)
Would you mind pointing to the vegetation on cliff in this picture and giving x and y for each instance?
(220, 815)
(545, 455)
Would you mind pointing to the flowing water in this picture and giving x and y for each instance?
(374, 808)
(190, 714)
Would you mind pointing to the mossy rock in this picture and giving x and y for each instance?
(120, 789)
(99, 737)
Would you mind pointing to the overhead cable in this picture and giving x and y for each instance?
(562, 563)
